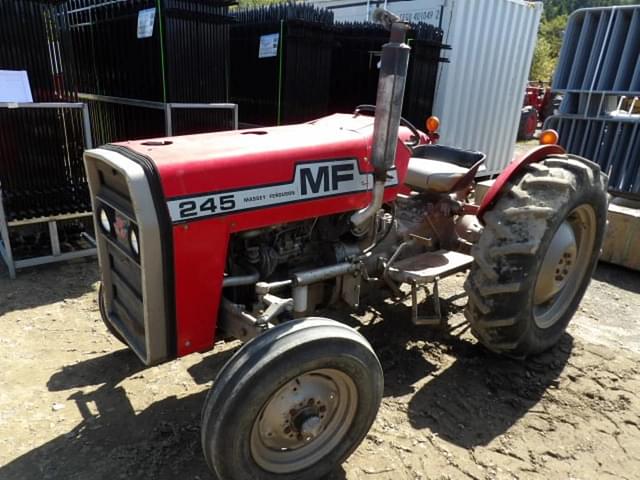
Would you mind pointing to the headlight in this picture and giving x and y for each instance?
(105, 222)
(133, 240)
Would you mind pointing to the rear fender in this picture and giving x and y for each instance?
(501, 183)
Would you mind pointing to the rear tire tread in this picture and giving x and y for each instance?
(514, 231)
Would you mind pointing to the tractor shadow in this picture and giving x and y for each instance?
(471, 396)
(114, 439)
(404, 349)
(481, 395)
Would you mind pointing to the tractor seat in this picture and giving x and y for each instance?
(433, 175)
(438, 168)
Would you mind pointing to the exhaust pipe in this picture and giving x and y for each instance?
(393, 77)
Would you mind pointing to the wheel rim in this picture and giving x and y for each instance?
(564, 266)
(303, 421)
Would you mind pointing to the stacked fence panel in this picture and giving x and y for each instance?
(182, 57)
(41, 169)
(29, 41)
(356, 56)
(289, 83)
(320, 67)
(598, 75)
(426, 48)
(197, 50)
(600, 51)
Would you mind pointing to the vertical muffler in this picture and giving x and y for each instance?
(391, 82)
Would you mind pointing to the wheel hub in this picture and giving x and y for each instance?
(303, 419)
(557, 265)
(564, 266)
(305, 424)
(311, 427)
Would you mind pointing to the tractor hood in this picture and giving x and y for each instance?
(237, 159)
(247, 171)
(186, 196)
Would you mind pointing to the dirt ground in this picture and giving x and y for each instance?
(75, 404)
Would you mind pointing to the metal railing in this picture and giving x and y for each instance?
(166, 107)
(86, 123)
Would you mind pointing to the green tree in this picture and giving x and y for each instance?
(543, 63)
(548, 47)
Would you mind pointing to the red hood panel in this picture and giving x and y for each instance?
(243, 158)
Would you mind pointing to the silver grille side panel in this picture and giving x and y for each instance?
(134, 292)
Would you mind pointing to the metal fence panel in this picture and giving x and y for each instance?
(600, 52)
(613, 143)
(321, 67)
(29, 41)
(598, 74)
(183, 58)
(41, 169)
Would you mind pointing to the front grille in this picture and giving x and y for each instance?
(133, 236)
(125, 299)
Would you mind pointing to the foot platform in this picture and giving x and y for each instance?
(423, 269)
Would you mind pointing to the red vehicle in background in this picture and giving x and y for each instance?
(539, 104)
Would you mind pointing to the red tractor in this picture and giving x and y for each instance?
(539, 104)
(246, 234)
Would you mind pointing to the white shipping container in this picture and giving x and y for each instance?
(479, 93)
(426, 11)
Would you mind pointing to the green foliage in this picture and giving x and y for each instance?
(543, 61)
(548, 47)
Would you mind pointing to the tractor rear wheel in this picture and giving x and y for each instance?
(293, 403)
(536, 255)
(103, 314)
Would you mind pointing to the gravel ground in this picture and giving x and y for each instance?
(75, 404)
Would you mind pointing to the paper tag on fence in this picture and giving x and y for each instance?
(14, 86)
(269, 45)
(146, 19)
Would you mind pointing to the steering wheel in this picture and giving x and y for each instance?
(403, 121)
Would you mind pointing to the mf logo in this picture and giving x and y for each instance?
(325, 178)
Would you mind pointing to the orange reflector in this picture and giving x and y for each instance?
(549, 137)
(433, 123)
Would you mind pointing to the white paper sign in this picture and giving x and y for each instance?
(269, 45)
(146, 19)
(14, 86)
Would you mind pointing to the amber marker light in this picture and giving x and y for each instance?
(432, 124)
(549, 137)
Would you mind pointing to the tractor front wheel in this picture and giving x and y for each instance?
(536, 255)
(293, 403)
